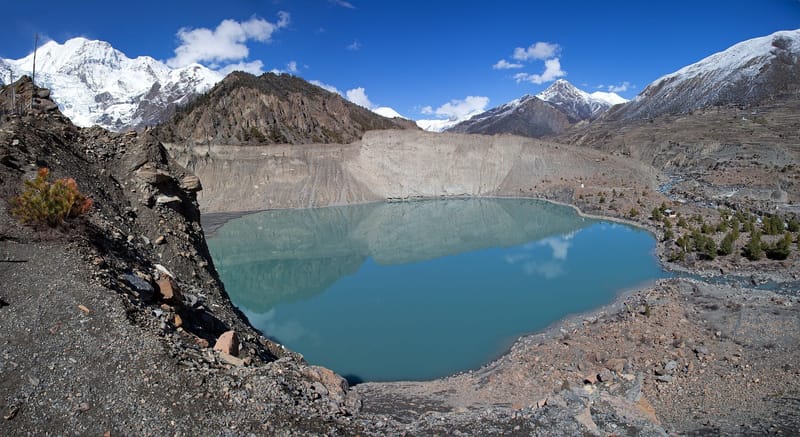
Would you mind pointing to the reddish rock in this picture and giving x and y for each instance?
(230, 359)
(168, 289)
(645, 407)
(202, 342)
(178, 321)
(228, 343)
(336, 385)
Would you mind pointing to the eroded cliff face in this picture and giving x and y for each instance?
(396, 164)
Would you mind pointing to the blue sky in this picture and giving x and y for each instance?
(409, 54)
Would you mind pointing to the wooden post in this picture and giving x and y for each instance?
(33, 72)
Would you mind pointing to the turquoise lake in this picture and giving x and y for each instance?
(420, 290)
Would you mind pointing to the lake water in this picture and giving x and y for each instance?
(419, 290)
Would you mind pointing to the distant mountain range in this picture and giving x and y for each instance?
(93, 83)
(550, 112)
(747, 73)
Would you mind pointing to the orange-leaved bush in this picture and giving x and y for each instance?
(48, 203)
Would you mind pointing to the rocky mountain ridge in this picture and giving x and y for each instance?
(550, 112)
(272, 109)
(747, 73)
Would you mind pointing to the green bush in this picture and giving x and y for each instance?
(794, 225)
(726, 246)
(773, 225)
(48, 203)
(657, 215)
(782, 248)
(633, 212)
(754, 250)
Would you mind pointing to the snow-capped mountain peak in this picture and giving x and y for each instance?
(744, 73)
(576, 103)
(94, 83)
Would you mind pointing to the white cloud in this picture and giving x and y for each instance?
(505, 65)
(621, 88)
(359, 97)
(325, 86)
(459, 109)
(342, 3)
(226, 43)
(552, 71)
(354, 46)
(547, 269)
(292, 66)
(254, 67)
(559, 245)
(539, 50)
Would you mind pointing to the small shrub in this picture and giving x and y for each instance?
(657, 215)
(782, 248)
(633, 212)
(726, 247)
(48, 203)
(773, 225)
(793, 225)
(754, 250)
(677, 255)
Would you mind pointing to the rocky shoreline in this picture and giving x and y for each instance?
(96, 338)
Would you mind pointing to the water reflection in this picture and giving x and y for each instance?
(417, 290)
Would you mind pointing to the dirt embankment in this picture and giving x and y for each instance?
(401, 165)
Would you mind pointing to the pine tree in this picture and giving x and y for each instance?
(754, 250)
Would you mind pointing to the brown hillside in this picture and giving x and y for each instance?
(271, 109)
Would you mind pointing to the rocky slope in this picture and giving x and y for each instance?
(95, 84)
(728, 154)
(272, 109)
(747, 73)
(550, 112)
(400, 164)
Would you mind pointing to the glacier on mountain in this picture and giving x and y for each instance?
(93, 83)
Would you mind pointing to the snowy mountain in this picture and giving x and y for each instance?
(578, 105)
(436, 125)
(527, 116)
(550, 112)
(93, 83)
(745, 73)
